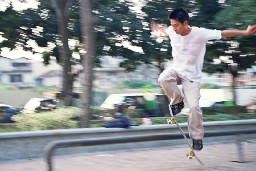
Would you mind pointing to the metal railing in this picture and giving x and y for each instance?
(49, 148)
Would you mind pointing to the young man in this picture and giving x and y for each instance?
(188, 50)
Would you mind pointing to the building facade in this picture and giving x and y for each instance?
(16, 72)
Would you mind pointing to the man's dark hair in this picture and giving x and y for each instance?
(179, 14)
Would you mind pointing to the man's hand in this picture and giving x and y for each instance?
(157, 29)
(251, 29)
(154, 26)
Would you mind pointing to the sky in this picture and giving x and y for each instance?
(17, 5)
(18, 52)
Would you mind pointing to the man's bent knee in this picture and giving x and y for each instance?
(195, 110)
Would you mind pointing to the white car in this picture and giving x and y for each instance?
(39, 104)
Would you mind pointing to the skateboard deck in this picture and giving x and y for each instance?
(192, 153)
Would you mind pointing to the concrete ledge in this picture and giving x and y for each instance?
(30, 144)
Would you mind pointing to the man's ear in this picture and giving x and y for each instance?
(185, 22)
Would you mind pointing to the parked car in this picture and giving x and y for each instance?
(39, 104)
(153, 104)
(6, 113)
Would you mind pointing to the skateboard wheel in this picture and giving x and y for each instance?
(169, 122)
(190, 157)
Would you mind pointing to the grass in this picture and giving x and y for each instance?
(8, 128)
(217, 117)
(47, 88)
(5, 87)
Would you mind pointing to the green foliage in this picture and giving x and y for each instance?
(220, 117)
(234, 15)
(8, 128)
(215, 117)
(224, 109)
(101, 113)
(136, 84)
(117, 22)
(99, 124)
(242, 11)
(43, 88)
(164, 121)
(209, 86)
(133, 113)
(61, 118)
(5, 87)
(249, 116)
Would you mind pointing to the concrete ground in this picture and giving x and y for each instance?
(222, 156)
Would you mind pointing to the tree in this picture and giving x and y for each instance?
(62, 9)
(240, 51)
(9, 28)
(60, 23)
(40, 26)
(88, 32)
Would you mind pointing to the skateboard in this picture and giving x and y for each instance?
(191, 154)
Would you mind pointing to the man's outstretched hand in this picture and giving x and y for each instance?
(251, 29)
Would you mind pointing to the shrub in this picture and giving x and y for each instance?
(224, 109)
(209, 86)
(135, 84)
(133, 113)
(102, 112)
(220, 117)
(61, 118)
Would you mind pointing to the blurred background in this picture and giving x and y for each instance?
(99, 59)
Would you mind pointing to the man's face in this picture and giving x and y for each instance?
(179, 27)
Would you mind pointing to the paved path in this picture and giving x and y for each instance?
(222, 156)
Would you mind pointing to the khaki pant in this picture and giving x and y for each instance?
(168, 80)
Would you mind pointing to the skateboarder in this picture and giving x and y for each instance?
(188, 50)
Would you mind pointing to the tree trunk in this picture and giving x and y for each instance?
(62, 9)
(233, 68)
(88, 37)
(67, 82)
(234, 89)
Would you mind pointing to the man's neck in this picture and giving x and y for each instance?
(186, 31)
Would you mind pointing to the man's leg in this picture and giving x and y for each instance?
(169, 80)
(191, 92)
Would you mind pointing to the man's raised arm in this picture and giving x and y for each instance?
(251, 29)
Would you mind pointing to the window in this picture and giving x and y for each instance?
(15, 78)
(16, 64)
